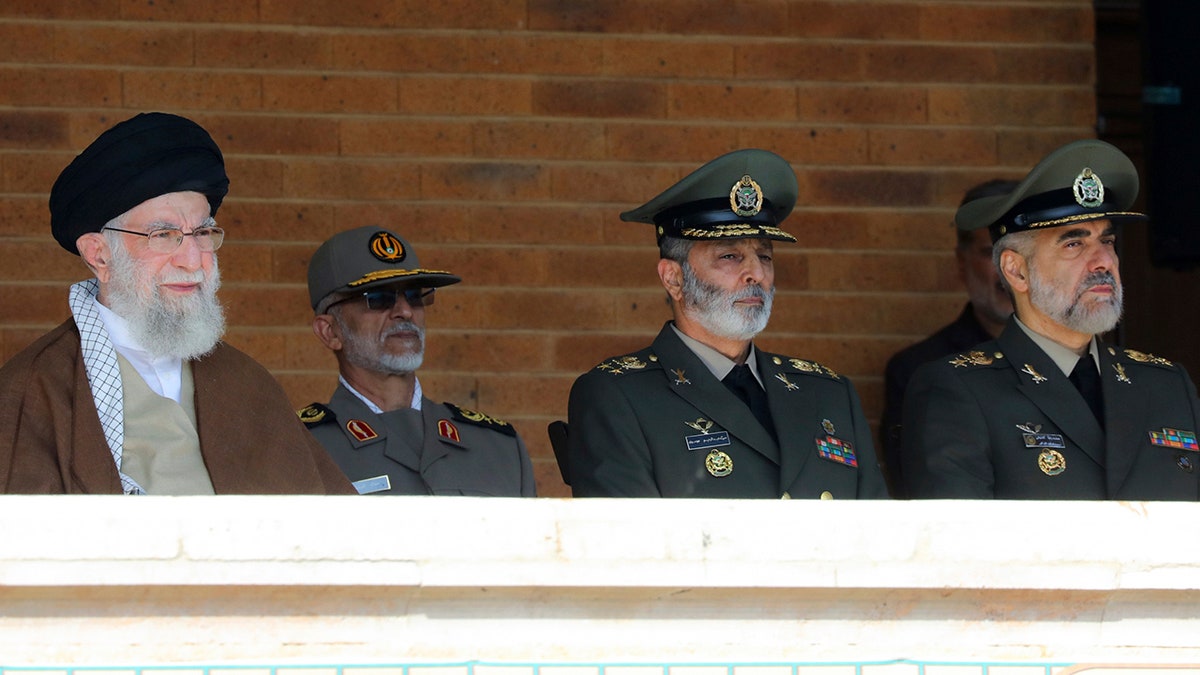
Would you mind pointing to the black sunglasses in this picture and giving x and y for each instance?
(378, 301)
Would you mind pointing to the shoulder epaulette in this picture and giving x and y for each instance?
(1142, 357)
(974, 358)
(315, 414)
(804, 366)
(479, 419)
(619, 365)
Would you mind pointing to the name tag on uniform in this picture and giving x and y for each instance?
(707, 441)
(1043, 440)
(377, 484)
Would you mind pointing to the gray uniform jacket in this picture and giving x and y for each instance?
(1004, 422)
(440, 450)
(646, 425)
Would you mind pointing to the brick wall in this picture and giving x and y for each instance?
(502, 138)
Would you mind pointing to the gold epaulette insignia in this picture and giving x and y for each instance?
(480, 419)
(813, 367)
(314, 414)
(622, 364)
(974, 358)
(1142, 357)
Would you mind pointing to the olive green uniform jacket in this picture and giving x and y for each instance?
(51, 440)
(639, 427)
(1004, 422)
(460, 452)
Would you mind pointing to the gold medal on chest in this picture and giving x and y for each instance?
(718, 464)
(1052, 462)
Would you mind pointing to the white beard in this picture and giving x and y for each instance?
(186, 327)
(716, 311)
(1065, 308)
(373, 355)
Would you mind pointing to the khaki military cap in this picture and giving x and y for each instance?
(368, 257)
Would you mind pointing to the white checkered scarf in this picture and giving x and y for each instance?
(104, 375)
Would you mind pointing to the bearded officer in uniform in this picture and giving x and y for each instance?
(370, 293)
(702, 412)
(1047, 410)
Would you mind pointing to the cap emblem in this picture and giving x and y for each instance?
(1089, 191)
(387, 247)
(746, 197)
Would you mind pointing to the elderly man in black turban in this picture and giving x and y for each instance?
(136, 393)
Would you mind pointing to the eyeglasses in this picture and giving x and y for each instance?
(167, 239)
(378, 301)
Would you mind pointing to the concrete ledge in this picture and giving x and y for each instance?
(162, 580)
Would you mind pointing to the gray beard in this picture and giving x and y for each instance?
(715, 309)
(185, 328)
(371, 355)
(1065, 308)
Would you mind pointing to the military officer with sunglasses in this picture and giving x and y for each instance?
(369, 293)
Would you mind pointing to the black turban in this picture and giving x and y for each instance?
(141, 158)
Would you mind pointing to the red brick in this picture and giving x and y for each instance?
(351, 179)
(211, 11)
(791, 268)
(606, 267)
(986, 23)
(892, 310)
(820, 62)
(503, 395)
(866, 187)
(303, 388)
(254, 177)
(525, 54)
(876, 104)
(400, 137)
(418, 222)
(465, 96)
(57, 87)
(497, 266)
(684, 17)
(489, 352)
(875, 229)
(40, 259)
(485, 181)
(400, 52)
(25, 217)
(330, 93)
(659, 58)
(809, 145)
(245, 262)
(373, 13)
(462, 14)
(1073, 65)
(846, 271)
(33, 173)
(263, 305)
(728, 102)
(267, 347)
(249, 221)
(191, 90)
(599, 99)
(545, 224)
(26, 42)
(274, 134)
(26, 129)
(539, 139)
(548, 478)
(1022, 148)
(623, 184)
(930, 63)
(1012, 106)
(578, 352)
(850, 356)
(144, 45)
(42, 304)
(853, 20)
(675, 142)
(932, 147)
(74, 10)
(262, 48)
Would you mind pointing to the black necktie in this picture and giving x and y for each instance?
(742, 383)
(1087, 380)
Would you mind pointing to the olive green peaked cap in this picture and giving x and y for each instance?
(1079, 182)
(742, 194)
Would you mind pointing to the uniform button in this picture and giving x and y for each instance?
(776, 360)
(786, 495)
(826, 495)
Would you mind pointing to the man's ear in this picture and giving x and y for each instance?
(94, 250)
(326, 330)
(1015, 269)
(670, 273)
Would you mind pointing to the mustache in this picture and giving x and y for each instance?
(749, 292)
(402, 326)
(1095, 279)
